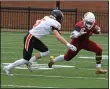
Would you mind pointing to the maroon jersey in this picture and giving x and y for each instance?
(79, 26)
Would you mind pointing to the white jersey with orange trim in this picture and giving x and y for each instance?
(44, 27)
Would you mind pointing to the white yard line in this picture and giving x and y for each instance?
(89, 57)
(104, 57)
(36, 66)
(67, 77)
(25, 86)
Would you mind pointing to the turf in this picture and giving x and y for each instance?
(77, 73)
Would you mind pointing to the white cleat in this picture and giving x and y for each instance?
(29, 64)
(8, 73)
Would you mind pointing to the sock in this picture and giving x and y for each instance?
(33, 59)
(16, 63)
(59, 58)
(98, 65)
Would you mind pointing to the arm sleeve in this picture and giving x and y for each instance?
(56, 25)
(54, 28)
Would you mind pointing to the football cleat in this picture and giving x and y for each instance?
(8, 73)
(101, 71)
(51, 62)
(29, 64)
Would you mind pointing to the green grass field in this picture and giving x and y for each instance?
(77, 73)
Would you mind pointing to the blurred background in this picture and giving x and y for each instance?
(21, 15)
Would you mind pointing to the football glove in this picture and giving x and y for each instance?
(72, 47)
(82, 31)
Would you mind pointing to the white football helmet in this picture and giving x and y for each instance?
(89, 20)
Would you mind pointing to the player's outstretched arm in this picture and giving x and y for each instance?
(59, 37)
(63, 41)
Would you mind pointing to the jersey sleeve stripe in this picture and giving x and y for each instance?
(27, 41)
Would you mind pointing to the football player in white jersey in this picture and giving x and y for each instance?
(47, 25)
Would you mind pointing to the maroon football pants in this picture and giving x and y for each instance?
(86, 45)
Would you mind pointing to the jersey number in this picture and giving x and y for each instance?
(38, 22)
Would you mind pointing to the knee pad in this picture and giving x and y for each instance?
(44, 53)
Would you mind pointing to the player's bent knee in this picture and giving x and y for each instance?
(99, 51)
(27, 57)
(67, 58)
(44, 53)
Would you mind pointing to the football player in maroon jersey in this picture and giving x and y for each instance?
(80, 38)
